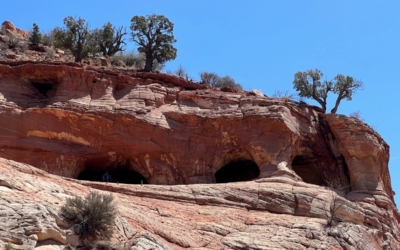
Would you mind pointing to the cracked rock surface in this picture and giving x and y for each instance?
(276, 213)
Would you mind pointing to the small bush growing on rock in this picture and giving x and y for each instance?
(13, 43)
(214, 80)
(357, 115)
(129, 59)
(8, 246)
(333, 219)
(49, 55)
(182, 73)
(92, 217)
(283, 95)
(48, 38)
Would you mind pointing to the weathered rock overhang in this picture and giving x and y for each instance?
(68, 119)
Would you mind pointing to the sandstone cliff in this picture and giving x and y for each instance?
(293, 178)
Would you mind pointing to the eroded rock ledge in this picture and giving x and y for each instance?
(75, 121)
(79, 121)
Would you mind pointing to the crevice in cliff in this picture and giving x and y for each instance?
(337, 176)
(237, 171)
(121, 172)
(346, 172)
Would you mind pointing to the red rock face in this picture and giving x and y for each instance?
(79, 122)
(74, 121)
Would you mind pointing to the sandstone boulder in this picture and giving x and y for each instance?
(11, 29)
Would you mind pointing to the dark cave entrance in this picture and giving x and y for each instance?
(306, 167)
(44, 86)
(121, 173)
(237, 171)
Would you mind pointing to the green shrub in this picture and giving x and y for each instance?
(35, 36)
(228, 81)
(92, 217)
(214, 80)
(8, 246)
(129, 59)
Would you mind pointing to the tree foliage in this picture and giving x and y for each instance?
(91, 217)
(345, 87)
(310, 85)
(109, 39)
(228, 81)
(214, 80)
(35, 36)
(209, 78)
(48, 37)
(154, 36)
(75, 36)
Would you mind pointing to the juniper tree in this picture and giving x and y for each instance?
(154, 36)
(109, 39)
(76, 37)
(35, 36)
(310, 85)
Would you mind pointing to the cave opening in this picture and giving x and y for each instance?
(306, 167)
(237, 171)
(44, 86)
(122, 173)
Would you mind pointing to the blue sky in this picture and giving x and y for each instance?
(262, 44)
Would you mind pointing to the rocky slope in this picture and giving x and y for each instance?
(234, 170)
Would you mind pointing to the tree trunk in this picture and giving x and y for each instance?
(149, 64)
(321, 102)
(323, 108)
(333, 111)
(78, 58)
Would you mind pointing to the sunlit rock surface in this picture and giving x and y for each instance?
(234, 170)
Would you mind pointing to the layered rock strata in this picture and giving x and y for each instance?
(300, 165)
(270, 213)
